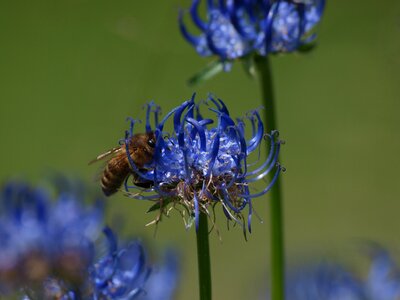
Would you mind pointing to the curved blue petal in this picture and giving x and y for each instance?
(255, 141)
(270, 154)
(112, 240)
(270, 185)
(271, 165)
(200, 131)
(194, 12)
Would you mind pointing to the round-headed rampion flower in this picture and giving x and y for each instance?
(323, 281)
(383, 282)
(121, 273)
(40, 238)
(234, 29)
(163, 280)
(52, 250)
(124, 273)
(331, 281)
(204, 161)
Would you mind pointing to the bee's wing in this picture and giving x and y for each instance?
(107, 154)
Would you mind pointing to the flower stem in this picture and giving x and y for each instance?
(203, 258)
(276, 217)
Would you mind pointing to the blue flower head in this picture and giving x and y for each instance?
(204, 161)
(331, 281)
(41, 238)
(233, 29)
(383, 280)
(54, 250)
(124, 273)
(121, 273)
(162, 283)
(326, 281)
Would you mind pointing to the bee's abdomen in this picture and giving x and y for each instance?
(114, 175)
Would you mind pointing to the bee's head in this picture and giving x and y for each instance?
(142, 147)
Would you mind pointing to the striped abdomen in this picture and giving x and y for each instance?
(115, 172)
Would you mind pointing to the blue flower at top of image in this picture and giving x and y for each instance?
(232, 29)
(203, 161)
(40, 237)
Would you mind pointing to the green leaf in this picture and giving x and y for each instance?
(155, 206)
(208, 72)
(306, 48)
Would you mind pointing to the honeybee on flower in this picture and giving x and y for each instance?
(203, 162)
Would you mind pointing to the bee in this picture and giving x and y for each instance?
(141, 150)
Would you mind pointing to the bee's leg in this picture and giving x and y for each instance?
(140, 182)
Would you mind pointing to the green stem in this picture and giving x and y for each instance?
(203, 258)
(277, 248)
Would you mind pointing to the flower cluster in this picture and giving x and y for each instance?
(53, 250)
(122, 273)
(234, 29)
(330, 281)
(203, 163)
(41, 238)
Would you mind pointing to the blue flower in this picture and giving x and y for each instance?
(204, 161)
(234, 29)
(383, 282)
(162, 283)
(40, 238)
(331, 281)
(325, 281)
(53, 250)
(122, 273)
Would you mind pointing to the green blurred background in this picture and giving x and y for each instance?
(72, 71)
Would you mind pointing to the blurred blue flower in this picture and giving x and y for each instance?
(331, 281)
(163, 281)
(53, 250)
(325, 281)
(202, 163)
(40, 238)
(383, 282)
(124, 273)
(120, 274)
(233, 29)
